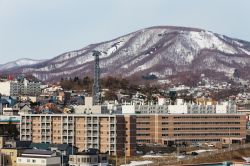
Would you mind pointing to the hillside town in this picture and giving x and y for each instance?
(124, 83)
(67, 123)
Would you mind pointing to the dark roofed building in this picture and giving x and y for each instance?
(63, 150)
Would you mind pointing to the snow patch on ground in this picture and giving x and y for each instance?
(138, 163)
(205, 150)
(152, 156)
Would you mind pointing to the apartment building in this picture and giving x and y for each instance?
(25, 87)
(20, 87)
(189, 128)
(115, 134)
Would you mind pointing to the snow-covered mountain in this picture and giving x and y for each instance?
(163, 51)
(19, 63)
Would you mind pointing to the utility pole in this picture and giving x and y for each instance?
(96, 91)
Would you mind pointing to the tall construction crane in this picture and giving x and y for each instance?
(96, 91)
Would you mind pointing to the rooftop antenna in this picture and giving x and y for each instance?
(96, 91)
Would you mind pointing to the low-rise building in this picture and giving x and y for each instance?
(90, 157)
(9, 156)
(63, 150)
(37, 157)
(89, 108)
(10, 150)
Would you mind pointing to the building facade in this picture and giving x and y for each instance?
(20, 87)
(25, 87)
(189, 128)
(9, 156)
(5, 88)
(114, 134)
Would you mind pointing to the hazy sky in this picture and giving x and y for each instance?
(42, 29)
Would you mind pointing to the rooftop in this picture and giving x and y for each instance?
(37, 152)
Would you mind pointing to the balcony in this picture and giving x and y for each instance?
(95, 135)
(95, 128)
(95, 141)
(95, 146)
(95, 121)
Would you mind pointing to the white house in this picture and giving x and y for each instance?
(37, 157)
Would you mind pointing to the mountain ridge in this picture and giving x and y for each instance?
(163, 51)
(19, 63)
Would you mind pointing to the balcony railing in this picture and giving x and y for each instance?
(95, 128)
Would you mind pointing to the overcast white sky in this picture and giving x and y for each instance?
(42, 29)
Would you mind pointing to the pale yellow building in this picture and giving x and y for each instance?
(9, 156)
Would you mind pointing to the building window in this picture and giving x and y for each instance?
(33, 161)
